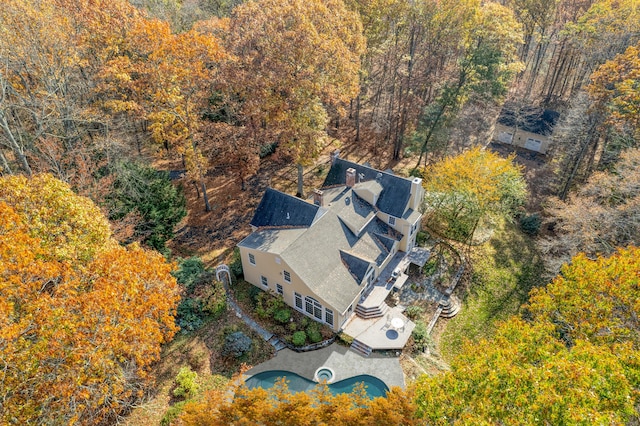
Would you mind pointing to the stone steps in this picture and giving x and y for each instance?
(372, 312)
(360, 348)
(450, 308)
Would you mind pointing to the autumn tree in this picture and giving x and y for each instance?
(600, 216)
(318, 407)
(79, 325)
(295, 59)
(470, 189)
(573, 360)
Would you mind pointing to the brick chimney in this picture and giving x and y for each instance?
(351, 177)
(318, 198)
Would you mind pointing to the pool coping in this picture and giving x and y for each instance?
(344, 363)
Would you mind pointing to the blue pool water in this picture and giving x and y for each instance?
(374, 387)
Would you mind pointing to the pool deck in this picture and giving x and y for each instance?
(340, 359)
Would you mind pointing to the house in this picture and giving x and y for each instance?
(526, 127)
(325, 255)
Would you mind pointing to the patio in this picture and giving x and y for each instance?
(389, 332)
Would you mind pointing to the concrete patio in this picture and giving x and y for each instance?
(379, 333)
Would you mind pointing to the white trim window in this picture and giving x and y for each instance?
(279, 289)
(392, 220)
(328, 316)
(298, 301)
(313, 307)
(264, 281)
(252, 259)
(287, 276)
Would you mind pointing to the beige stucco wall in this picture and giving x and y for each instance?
(521, 136)
(267, 266)
(402, 226)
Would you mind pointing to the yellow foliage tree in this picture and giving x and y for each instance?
(78, 329)
(468, 188)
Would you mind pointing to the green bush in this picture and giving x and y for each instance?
(530, 224)
(299, 338)
(215, 299)
(345, 339)
(236, 264)
(186, 383)
(191, 272)
(414, 312)
(189, 314)
(282, 315)
(313, 332)
(421, 238)
(268, 304)
(420, 336)
(172, 413)
(236, 345)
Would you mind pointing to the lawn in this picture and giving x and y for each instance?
(503, 271)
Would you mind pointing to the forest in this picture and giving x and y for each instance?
(136, 137)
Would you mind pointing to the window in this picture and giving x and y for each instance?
(252, 259)
(313, 307)
(392, 220)
(278, 260)
(298, 298)
(264, 281)
(287, 276)
(279, 289)
(328, 316)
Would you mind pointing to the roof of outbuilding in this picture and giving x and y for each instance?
(529, 118)
(395, 193)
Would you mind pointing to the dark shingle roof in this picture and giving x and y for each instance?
(530, 119)
(357, 266)
(396, 190)
(279, 209)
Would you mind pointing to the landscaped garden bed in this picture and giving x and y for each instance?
(273, 314)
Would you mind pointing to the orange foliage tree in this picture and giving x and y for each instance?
(318, 407)
(78, 329)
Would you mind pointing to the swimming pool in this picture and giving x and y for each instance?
(374, 387)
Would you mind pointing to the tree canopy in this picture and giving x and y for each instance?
(81, 319)
(466, 189)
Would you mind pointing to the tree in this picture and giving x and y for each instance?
(78, 329)
(294, 60)
(149, 196)
(317, 407)
(614, 88)
(602, 215)
(68, 226)
(471, 188)
(524, 375)
(485, 69)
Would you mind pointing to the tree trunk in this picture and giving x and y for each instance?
(207, 206)
(4, 164)
(15, 147)
(300, 193)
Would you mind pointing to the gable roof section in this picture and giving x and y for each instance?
(277, 209)
(529, 118)
(395, 193)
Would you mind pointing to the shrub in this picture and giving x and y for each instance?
(236, 263)
(421, 238)
(267, 305)
(215, 299)
(189, 314)
(345, 339)
(236, 345)
(190, 273)
(299, 338)
(530, 224)
(420, 336)
(414, 312)
(282, 315)
(313, 332)
(254, 294)
(172, 413)
(187, 385)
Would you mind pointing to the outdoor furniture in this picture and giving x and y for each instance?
(397, 324)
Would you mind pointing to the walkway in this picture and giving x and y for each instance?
(267, 336)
